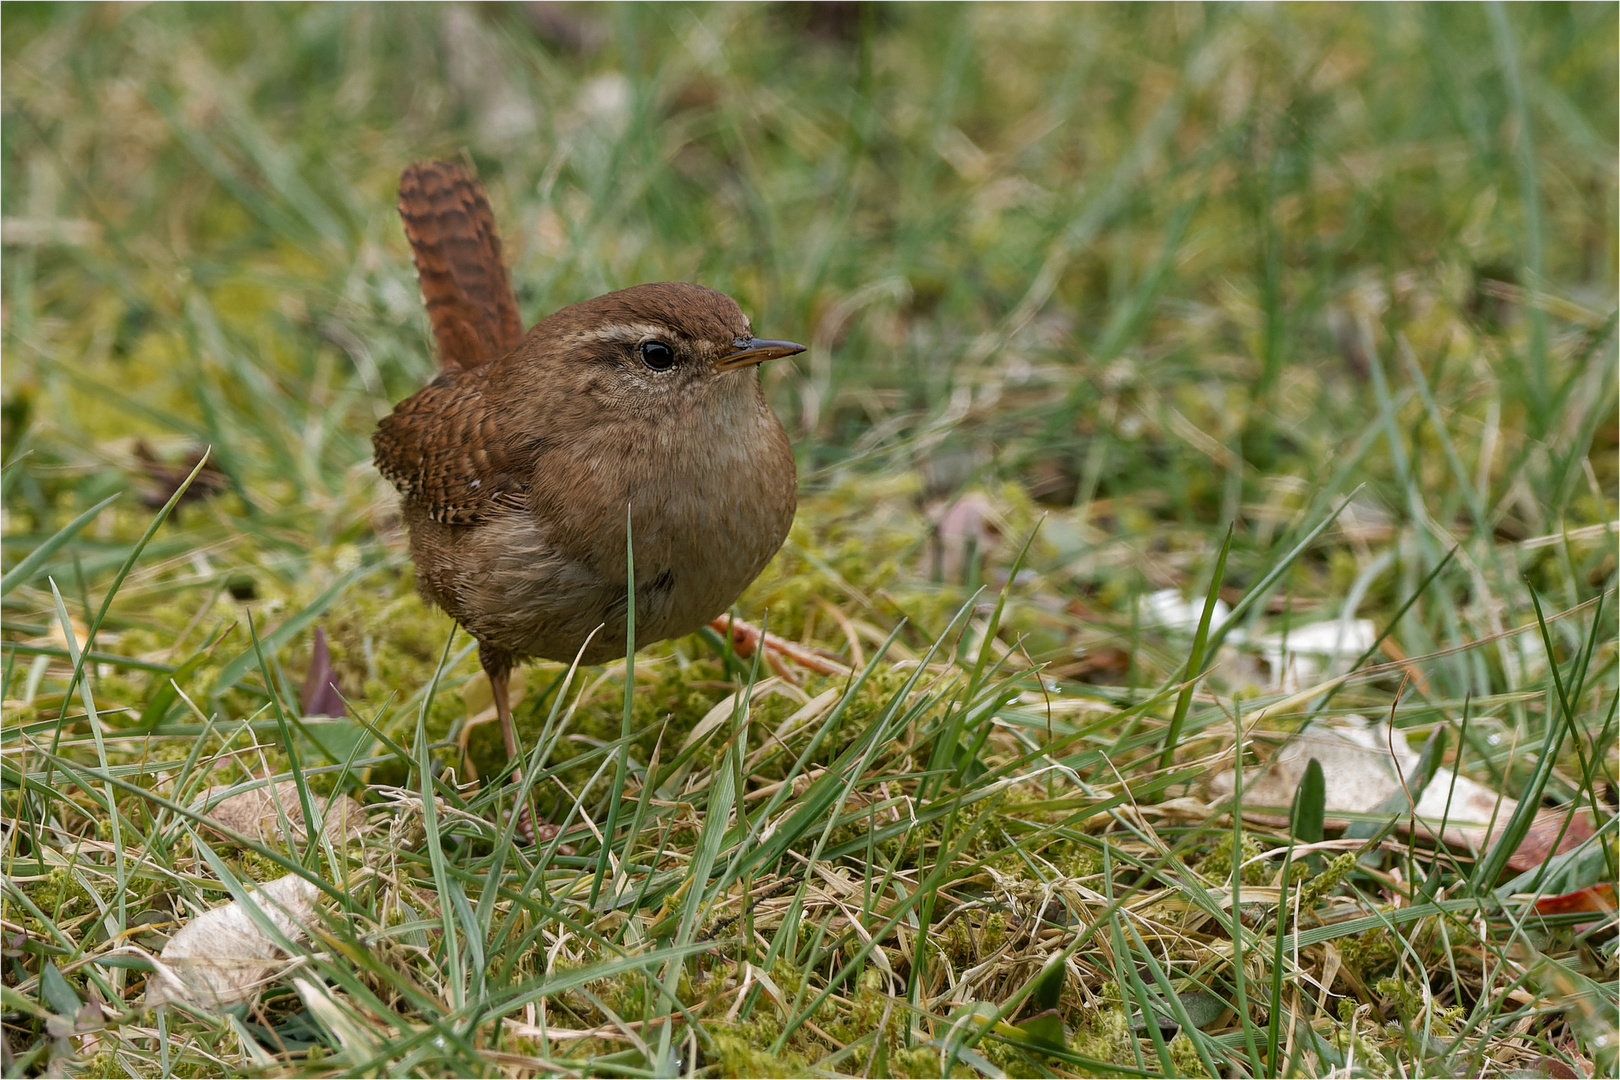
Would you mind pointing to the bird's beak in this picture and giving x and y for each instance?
(751, 351)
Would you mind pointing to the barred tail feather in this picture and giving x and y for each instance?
(457, 249)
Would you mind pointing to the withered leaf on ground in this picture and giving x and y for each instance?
(223, 956)
(1361, 774)
(255, 813)
(1592, 898)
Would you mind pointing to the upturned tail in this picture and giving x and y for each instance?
(458, 259)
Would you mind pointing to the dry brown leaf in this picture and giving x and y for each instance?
(1537, 844)
(1467, 808)
(321, 695)
(1592, 898)
(222, 957)
(254, 813)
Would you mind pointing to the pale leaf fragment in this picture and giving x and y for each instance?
(1356, 765)
(223, 957)
(255, 814)
(1361, 774)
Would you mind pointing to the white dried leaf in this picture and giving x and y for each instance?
(1306, 655)
(222, 957)
(1167, 608)
(1356, 766)
(1360, 773)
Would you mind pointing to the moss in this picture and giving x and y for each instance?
(743, 1050)
(627, 995)
(1446, 1023)
(671, 696)
(118, 695)
(922, 1063)
(870, 535)
(957, 942)
(1011, 1060)
(1343, 569)
(1106, 1034)
(1369, 953)
(1317, 887)
(1081, 862)
(900, 851)
(253, 867)
(102, 1065)
(58, 895)
(1185, 1056)
(1408, 1002)
(1369, 1059)
(994, 933)
(865, 1010)
(1217, 865)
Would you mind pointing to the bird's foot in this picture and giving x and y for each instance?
(746, 638)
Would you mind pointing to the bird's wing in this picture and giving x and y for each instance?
(442, 449)
(458, 260)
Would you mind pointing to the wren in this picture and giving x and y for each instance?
(519, 463)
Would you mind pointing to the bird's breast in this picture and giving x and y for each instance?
(708, 506)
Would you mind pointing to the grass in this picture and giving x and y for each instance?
(1308, 312)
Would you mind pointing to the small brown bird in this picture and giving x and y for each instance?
(518, 464)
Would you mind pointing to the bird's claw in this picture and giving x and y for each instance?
(746, 638)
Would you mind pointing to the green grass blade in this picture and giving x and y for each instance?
(1234, 916)
(30, 563)
(622, 766)
(1195, 659)
(450, 950)
(1489, 868)
(1310, 805)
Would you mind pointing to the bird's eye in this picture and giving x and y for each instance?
(657, 355)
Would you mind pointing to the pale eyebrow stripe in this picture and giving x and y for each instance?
(622, 332)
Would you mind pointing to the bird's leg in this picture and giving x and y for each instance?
(498, 668)
(746, 637)
(498, 683)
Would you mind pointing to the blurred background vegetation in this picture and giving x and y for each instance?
(1022, 239)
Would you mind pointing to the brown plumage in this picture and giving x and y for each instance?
(457, 250)
(518, 463)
